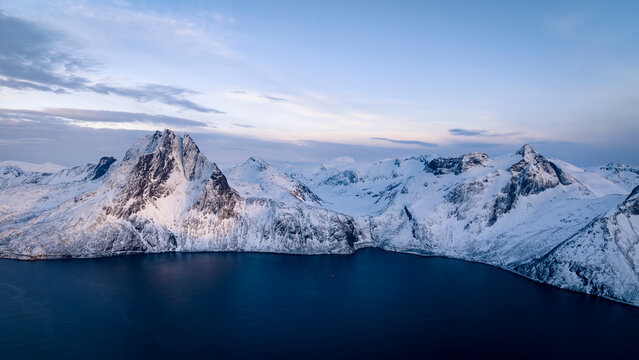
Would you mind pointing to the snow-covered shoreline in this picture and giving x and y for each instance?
(544, 219)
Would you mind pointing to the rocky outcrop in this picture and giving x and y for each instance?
(342, 178)
(148, 179)
(458, 165)
(102, 167)
(217, 198)
(533, 174)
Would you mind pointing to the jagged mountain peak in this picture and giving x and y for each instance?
(255, 163)
(255, 178)
(527, 151)
(158, 166)
(531, 175)
(536, 173)
(175, 152)
(150, 143)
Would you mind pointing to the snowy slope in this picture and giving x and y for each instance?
(256, 178)
(600, 259)
(545, 218)
(163, 196)
(500, 211)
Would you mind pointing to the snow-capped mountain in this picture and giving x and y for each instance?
(256, 178)
(164, 195)
(544, 218)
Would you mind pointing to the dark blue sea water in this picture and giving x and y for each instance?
(373, 304)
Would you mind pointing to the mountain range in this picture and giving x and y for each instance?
(542, 218)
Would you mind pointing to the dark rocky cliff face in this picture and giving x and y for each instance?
(532, 175)
(631, 205)
(218, 197)
(102, 167)
(147, 180)
(458, 165)
(169, 155)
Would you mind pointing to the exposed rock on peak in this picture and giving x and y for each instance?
(531, 175)
(183, 153)
(157, 159)
(457, 165)
(473, 159)
(218, 197)
(535, 173)
(527, 151)
(146, 182)
(168, 139)
(144, 145)
(342, 178)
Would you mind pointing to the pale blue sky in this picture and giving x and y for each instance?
(310, 80)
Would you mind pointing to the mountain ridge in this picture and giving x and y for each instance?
(521, 212)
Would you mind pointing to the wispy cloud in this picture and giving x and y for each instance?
(273, 98)
(82, 117)
(169, 95)
(37, 58)
(480, 133)
(246, 126)
(466, 132)
(319, 115)
(405, 142)
(39, 138)
(27, 85)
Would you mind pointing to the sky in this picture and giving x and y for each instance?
(316, 80)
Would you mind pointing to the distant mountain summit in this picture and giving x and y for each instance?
(546, 219)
